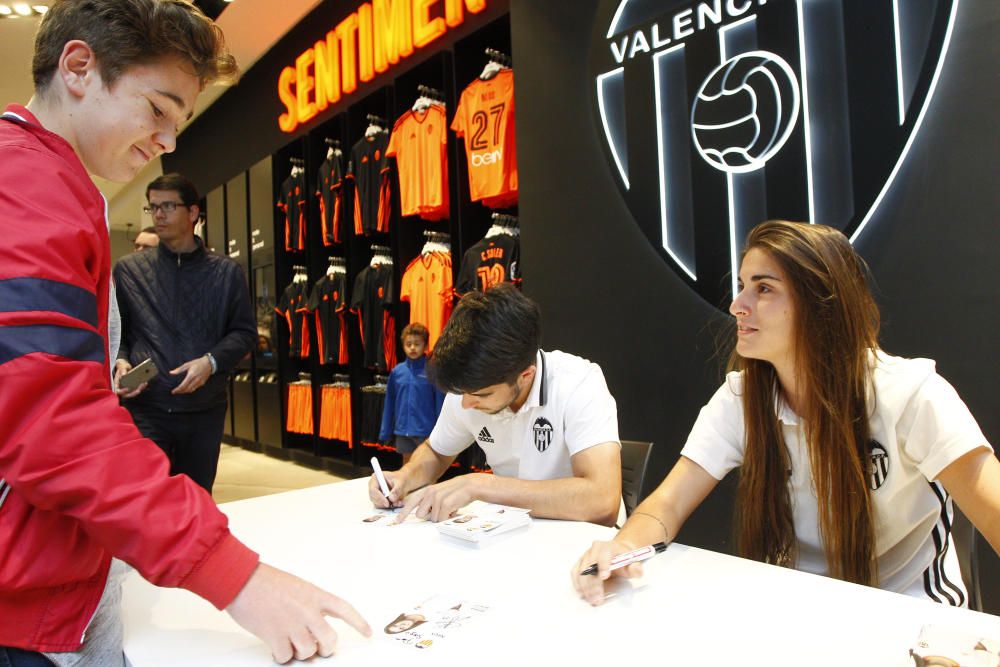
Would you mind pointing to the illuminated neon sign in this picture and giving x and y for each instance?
(719, 114)
(370, 40)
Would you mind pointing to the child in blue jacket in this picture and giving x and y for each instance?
(412, 402)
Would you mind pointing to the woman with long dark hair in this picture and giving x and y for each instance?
(848, 457)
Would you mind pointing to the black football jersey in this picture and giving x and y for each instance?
(327, 302)
(292, 201)
(373, 293)
(365, 168)
(494, 260)
(292, 306)
(329, 179)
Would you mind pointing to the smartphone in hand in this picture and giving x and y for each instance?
(144, 372)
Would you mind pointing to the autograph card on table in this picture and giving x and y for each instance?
(379, 517)
(480, 521)
(432, 622)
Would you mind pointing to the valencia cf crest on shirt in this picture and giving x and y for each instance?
(543, 433)
(878, 469)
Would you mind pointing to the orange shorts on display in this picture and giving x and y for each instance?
(300, 412)
(335, 414)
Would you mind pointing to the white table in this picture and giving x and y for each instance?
(694, 607)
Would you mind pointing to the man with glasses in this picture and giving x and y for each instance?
(189, 311)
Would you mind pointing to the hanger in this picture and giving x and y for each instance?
(337, 265)
(428, 97)
(378, 385)
(334, 148)
(381, 256)
(376, 124)
(339, 380)
(436, 242)
(300, 275)
(504, 223)
(297, 166)
(498, 61)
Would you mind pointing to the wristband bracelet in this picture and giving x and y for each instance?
(666, 535)
(211, 360)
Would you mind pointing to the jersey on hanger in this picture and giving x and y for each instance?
(485, 117)
(365, 169)
(292, 308)
(492, 261)
(419, 144)
(292, 202)
(327, 303)
(373, 293)
(427, 285)
(329, 179)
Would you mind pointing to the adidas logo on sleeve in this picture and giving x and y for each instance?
(484, 437)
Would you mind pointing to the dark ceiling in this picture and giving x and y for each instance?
(212, 8)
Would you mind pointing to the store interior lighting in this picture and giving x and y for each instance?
(16, 10)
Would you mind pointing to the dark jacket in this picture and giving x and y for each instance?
(176, 308)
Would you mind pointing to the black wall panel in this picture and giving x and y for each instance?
(605, 293)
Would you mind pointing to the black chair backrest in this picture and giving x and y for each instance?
(964, 535)
(635, 459)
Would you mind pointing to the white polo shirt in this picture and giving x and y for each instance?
(919, 426)
(568, 410)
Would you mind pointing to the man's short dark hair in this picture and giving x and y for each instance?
(490, 339)
(177, 183)
(123, 33)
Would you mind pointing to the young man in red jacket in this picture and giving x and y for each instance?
(113, 81)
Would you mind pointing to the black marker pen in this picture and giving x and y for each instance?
(629, 557)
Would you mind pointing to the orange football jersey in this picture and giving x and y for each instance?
(485, 117)
(419, 143)
(427, 285)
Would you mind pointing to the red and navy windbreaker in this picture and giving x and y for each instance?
(80, 484)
